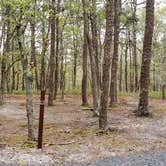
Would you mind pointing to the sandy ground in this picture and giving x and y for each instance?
(71, 134)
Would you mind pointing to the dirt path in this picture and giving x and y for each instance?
(71, 134)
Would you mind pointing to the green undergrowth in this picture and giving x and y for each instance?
(94, 132)
(22, 92)
(29, 144)
(155, 94)
(152, 94)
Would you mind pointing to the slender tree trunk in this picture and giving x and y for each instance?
(126, 66)
(62, 72)
(114, 68)
(75, 63)
(94, 77)
(131, 65)
(95, 40)
(8, 74)
(121, 71)
(100, 55)
(52, 58)
(106, 66)
(23, 83)
(135, 63)
(13, 69)
(43, 55)
(6, 51)
(28, 75)
(84, 56)
(57, 51)
(18, 80)
(45, 44)
(163, 92)
(33, 48)
(146, 60)
(154, 77)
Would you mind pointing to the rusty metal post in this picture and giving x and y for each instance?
(41, 120)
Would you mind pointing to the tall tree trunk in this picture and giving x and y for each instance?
(163, 91)
(57, 50)
(84, 56)
(106, 66)
(131, 65)
(154, 77)
(52, 58)
(114, 68)
(6, 51)
(126, 65)
(62, 71)
(23, 82)
(43, 54)
(28, 76)
(95, 40)
(121, 70)
(13, 69)
(33, 49)
(75, 43)
(146, 60)
(94, 85)
(18, 80)
(135, 63)
(8, 74)
(45, 44)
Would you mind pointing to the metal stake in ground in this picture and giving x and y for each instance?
(41, 120)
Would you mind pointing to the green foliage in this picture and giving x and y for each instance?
(73, 91)
(29, 144)
(155, 94)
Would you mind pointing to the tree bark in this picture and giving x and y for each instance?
(114, 68)
(93, 76)
(33, 48)
(154, 77)
(131, 64)
(106, 66)
(84, 56)
(75, 43)
(95, 40)
(163, 92)
(52, 58)
(28, 76)
(6, 51)
(135, 63)
(13, 69)
(146, 60)
(126, 64)
(121, 71)
(56, 82)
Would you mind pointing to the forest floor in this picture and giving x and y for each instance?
(71, 133)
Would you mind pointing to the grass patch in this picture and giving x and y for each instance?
(155, 94)
(97, 132)
(29, 144)
(22, 92)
